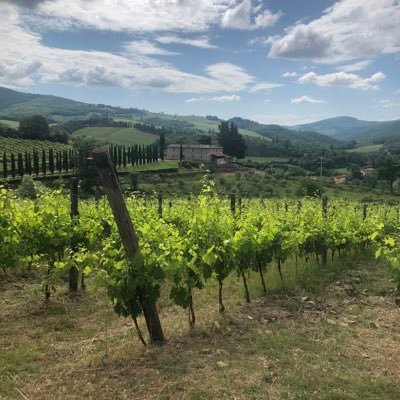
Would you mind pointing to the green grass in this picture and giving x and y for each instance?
(198, 122)
(262, 160)
(370, 148)
(11, 124)
(122, 136)
(322, 333)
(158, 166)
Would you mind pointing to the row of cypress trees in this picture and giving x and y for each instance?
(34, 163)
(50, 161)
(134, 155)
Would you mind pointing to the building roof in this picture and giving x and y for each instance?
(196, 146)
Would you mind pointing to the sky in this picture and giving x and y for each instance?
(276, 61)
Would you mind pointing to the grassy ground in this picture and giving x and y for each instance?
(370, 148)
(11, 124)
(122, 136)
(267, 159)
(333, 335)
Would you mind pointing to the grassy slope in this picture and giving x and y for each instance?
(202, 123)
(11, 124)
(367, 148)
(333, 336)
(266, 159)
(123, 136)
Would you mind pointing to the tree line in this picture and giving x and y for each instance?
(51, 161)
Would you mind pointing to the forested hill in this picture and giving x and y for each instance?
(277, 132)
(348, 128)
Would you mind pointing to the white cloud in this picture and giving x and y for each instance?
(26, 60)
(145, 47)
(358, 66)
(387, 103)
(307, 99)
(219, 99)
(290, 75)
(347, 30)
(284, 119)
(264, 86)
(247, 17)
(343, 79)
(202, 42)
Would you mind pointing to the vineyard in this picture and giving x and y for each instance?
(33, 157)
(186, 243)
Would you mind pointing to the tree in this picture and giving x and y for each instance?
(20, 164)
(43, 161)
(51, 161)
(388, 170)
(34, 127)
(205, 139)
(181, 156)
(12, 165)
(231, 140)
(162, 144)
(5, 165)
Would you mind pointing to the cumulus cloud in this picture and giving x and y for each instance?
(387, 103)
(347, 30)
(264, 86)
(146, 16)
(290, 75)
(358, 66)
(202, 42)
(307, 99)
(26, 60)
(145, 47)
(218, 99)
(247, 17)
(343, 79)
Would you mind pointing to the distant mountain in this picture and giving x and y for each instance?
(348, 128)
(14, 105)
(278, 132)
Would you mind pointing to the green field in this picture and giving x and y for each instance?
(122, 136)
(263, 160)
(370, 148)
(11, 124)
(198, 122)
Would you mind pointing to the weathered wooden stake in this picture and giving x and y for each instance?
(325, 215)
(128, 235)
(233, 203)
(160, 203)
(73, 271)
(365, 211)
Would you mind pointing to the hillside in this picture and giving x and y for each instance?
(273, 132)
(122, 136)
(348, 128)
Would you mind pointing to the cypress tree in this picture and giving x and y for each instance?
(124, 156)
(135, 154)
(181, 157)
(12, 165)
(162, 144)
(119, 156)
(139, 155)
(144, 154)
(44, 161)
(128, 155)
(115, 157)
(26, 162)
(58, 162)
(65, 161)
(29, 165)
(51, 160)
(20, 163)
(5, 172)
(35, 162)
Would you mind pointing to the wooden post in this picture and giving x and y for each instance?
(160, 203)
(365, 211)
(73, 271)
(325, 215)
(233, 203)
(128, 235)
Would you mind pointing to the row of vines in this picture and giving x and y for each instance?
(186, 242)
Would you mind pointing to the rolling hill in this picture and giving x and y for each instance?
(348, 128)
(122, 136)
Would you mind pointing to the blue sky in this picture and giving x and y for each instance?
(277, 61)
